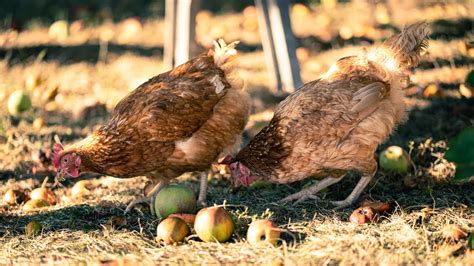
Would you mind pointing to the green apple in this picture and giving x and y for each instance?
(394, 159)
(174, 199)
(33, 228)
(18, 102)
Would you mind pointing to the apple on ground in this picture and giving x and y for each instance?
(33, 228)
(394, 159)
(18, 102)
(35, 204)
(172, 230)
(263, 231)
(364, 215)
(174, 199)
(43, 193)
(214, 224)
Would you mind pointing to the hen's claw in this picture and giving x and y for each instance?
(355, 194)
(310, 192)
(135, 202)
(299, 197)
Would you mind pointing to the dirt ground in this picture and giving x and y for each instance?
(88, 86)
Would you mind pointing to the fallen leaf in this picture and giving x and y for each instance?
(453, 231)
(380, 207)
(115, 262)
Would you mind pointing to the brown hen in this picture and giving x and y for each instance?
(333, 125)
(177, 122)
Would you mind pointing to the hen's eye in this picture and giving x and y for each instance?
(65, 160)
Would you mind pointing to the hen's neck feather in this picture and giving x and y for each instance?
(90, 149)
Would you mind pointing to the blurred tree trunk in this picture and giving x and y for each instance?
(180, 28)
(279, 44)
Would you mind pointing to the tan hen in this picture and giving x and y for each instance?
(333, 125)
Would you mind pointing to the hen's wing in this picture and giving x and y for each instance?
(173, 105)
(330, 110)
(170, 107)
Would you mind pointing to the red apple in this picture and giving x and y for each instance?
(214, 224)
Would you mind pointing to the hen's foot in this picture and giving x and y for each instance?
(299, 197)
(310, 193)
(355, 194)
(135, 202)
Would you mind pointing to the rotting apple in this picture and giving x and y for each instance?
(364, 215)
(172, 230)
(263, 231)
(80, 189)
(13, 197)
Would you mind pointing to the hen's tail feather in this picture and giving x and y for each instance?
(223, 51)
(408, 45)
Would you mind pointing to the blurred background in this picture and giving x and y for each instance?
(76, 59)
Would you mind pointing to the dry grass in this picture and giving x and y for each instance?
(76, 232)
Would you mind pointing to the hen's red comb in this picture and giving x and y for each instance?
(57, 150)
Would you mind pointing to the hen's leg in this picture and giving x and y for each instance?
(355, 194)
(203, 189)
(310, 193)
(148, 198)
